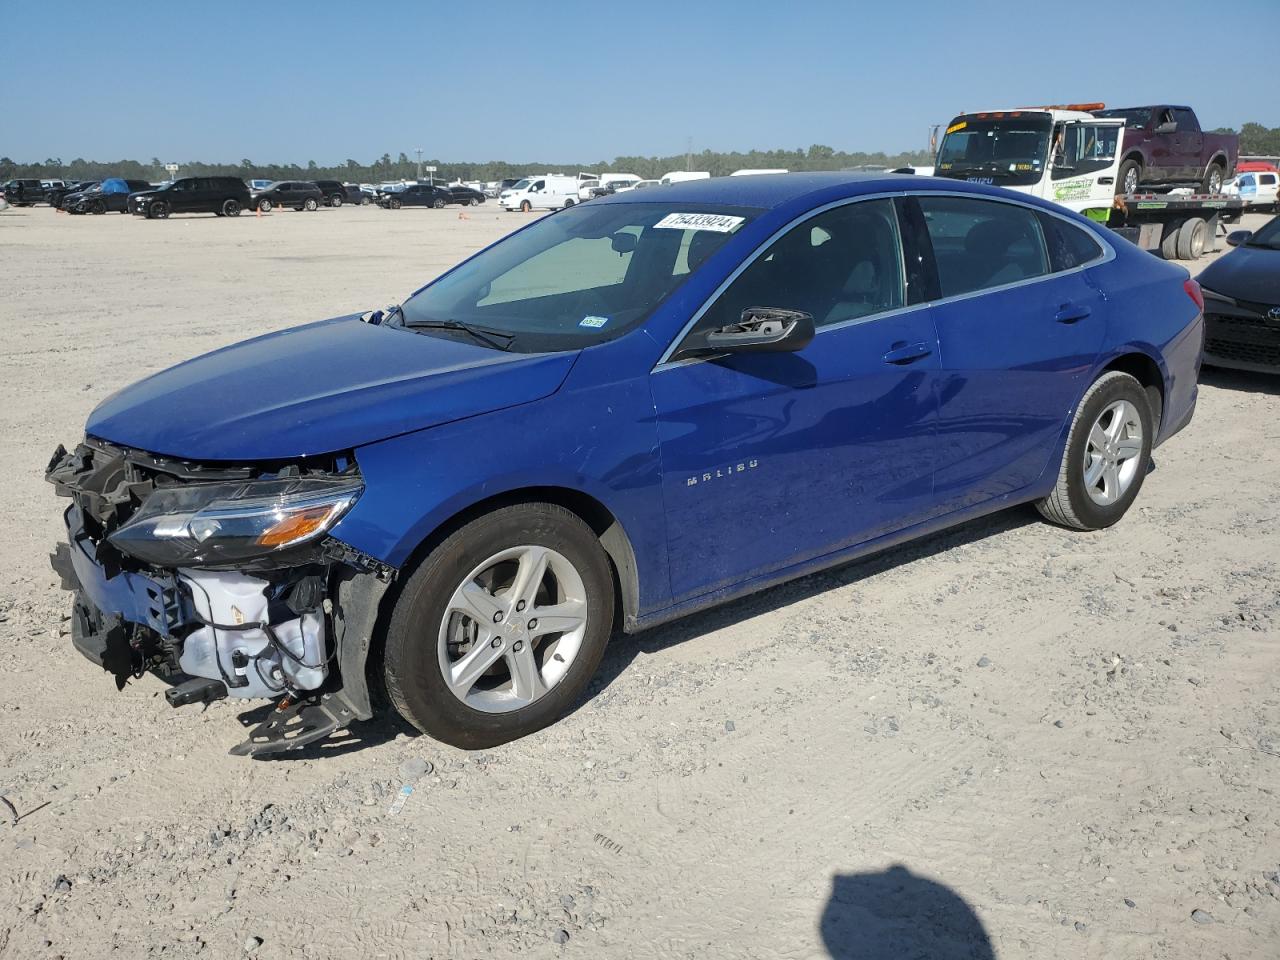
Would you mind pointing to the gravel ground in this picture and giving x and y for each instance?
(1006, 740)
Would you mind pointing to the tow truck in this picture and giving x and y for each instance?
(1066, 154)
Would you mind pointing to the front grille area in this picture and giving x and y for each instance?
(1240, 339)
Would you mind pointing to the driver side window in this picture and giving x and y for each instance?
(841, 265)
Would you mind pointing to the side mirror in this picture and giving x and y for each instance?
(1237, 237)
(764, 330)
(623, 243)
(1169, 126)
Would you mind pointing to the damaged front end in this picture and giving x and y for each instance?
(223, 581)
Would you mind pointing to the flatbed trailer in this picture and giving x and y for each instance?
(1177, 226)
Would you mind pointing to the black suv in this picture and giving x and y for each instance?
(417, 195)
(336, 194)
(298, 194)
(24, 193)
(225, 196)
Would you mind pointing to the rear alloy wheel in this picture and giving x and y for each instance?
(99, 207)
(231, 208)
(1107, 455)
(335, 201)
(264, 206)
(310, 204)
(1213, 179)
(501, 628)
(159, 210)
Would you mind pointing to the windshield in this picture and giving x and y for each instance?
(581, 276)
(1009, 150)
(521, 185)
(1132, 117)
(1268, 236)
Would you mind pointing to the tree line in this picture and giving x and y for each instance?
(817, 157)
(1255, 139)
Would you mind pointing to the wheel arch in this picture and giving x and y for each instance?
(1219, 159)
(1143, 368)
(368, 603)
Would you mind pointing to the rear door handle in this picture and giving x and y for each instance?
(904, 353)
(1071, 313)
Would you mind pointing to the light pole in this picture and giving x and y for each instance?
(418, 151)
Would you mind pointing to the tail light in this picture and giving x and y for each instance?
(1195, 293)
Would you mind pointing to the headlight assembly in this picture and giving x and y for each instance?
(214, 524)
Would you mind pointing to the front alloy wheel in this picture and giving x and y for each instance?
(499, 630)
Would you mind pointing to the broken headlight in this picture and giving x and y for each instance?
(215, 524)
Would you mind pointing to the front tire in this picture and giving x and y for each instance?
(158, 210)
(99, 207)
(1107, 455)
(335, 201)
(501, 628)
(264, 206)
(309, 205)
(1128, 178)
(438, 204)
(393, 204)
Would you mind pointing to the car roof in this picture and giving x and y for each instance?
(772, 190)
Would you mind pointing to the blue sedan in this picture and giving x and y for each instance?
(624, 412)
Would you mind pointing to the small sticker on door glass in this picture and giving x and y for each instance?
(595, 322)
(716, 222)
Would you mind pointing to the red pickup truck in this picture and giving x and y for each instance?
(1164, 145)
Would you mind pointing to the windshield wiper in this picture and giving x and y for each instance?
(490, 338)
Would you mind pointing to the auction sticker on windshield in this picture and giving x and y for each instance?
(716, 222)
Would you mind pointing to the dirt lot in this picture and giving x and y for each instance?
(1008, 740)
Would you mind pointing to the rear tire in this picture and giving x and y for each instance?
(1193, 236)
(230, 208)
(1213, 179)
(426, 625)
(1107, 455)
(1169, 244)
(335, 201)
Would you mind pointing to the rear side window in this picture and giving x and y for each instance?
(978, 244)
(1069, 246)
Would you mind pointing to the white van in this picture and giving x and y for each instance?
(548, 192)
(679, 176)
(1257, 188)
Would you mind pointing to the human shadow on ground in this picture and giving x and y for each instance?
(899, 915)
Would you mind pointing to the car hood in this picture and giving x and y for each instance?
(320, 388)
(1246, 273)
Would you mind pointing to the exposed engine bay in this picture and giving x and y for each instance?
(221, 579)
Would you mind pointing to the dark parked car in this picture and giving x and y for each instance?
(298, 194)
(417, 195)
(467, 195)
(623, 413)
(56, 196)
(1165, 145)
(335, 194)
(225, 196)
(24, 193)
(110, 195)
(1242, 302)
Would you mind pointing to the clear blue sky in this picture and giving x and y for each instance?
(292, 82)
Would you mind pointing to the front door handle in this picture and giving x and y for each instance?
(1072, 313)
(903, 353)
